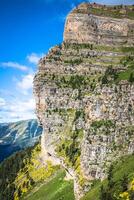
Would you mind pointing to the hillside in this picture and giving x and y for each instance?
(84, 92)
(25, 176)
(122, 182)
(55, 189)
(18, 135)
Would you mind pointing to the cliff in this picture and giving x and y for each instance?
(98, 24)
(84, 94)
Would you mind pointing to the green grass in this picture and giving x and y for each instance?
(124, 166)
(125, 75)
(56, 189)
(110, 11)
(127, 49)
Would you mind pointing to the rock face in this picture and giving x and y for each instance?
(85, 94)
(83, 26)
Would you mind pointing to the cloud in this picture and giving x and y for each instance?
(2, 102)
(22, 106)
(26, 83)
(18, 110)
(34, 58)
(15, 65)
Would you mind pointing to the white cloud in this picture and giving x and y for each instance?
(2, 102)
(15, 65)
(22, 106)
(26, 83)
(18, 110)
(34, 58)
(18, 103)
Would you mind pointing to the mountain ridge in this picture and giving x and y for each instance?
(15, 136)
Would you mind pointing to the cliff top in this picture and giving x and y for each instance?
(100, 24)
(115, 11)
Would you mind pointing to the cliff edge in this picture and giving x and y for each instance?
(84, 91)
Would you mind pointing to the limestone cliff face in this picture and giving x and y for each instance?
(83, 25)
(85, 96)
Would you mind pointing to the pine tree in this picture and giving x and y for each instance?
(110, 177)
(102, 193)
(124, 183)
(131, 78)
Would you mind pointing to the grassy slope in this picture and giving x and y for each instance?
(124, 166)
(59, 189)
(56, 189)
(46, 186)
(23, 176)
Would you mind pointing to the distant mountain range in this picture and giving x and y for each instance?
(18, 135)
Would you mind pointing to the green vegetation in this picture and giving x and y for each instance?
(69, 147)
(118, 11)
(128, 74)
(77, 47)
(55, 189)
(113, 75)
(22, 171)
(75, 81)
(119, 182)
(79, 114)
(100, 123)
(110, 75)
(113, 12)
(69, 112)
(127, 49)
(8, 172)
(128, 61)
(74, 61)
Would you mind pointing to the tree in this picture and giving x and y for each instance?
(124, 183)
(19, 192)
(131, 195)
(104, 80)
(110, 177)
(102, 193)
(131, 78)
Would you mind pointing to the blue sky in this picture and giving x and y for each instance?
(28, 28)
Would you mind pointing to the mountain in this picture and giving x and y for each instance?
(84, 91)
(84, 94)
(18, 135)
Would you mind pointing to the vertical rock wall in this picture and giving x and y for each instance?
(85, 96)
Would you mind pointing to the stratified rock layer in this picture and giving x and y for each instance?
(85, 97)
(83, 26)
